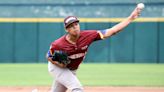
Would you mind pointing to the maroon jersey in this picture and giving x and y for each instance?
(76, 52)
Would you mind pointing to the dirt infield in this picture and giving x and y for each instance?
(86, 89)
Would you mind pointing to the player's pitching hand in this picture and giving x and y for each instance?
(136, 12)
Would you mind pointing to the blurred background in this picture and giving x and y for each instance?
(27, 27)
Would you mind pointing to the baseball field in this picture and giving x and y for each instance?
(95, 77)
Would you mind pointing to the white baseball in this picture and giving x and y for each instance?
(140, 6)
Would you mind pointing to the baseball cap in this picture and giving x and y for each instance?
(69, 20)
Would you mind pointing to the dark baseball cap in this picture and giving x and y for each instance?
(69, 20)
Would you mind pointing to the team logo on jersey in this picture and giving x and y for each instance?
(78, 55)
(84, 47)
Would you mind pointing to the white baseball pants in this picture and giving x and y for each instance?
(64, 79)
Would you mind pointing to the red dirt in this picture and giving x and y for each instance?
(87, 89)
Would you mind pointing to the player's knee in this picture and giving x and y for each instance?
(77, 90)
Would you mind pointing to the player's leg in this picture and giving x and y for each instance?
(69, 80)
(57, 87)
(65, 77)
(55, 72)
(77, 90)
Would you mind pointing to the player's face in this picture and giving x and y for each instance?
(73, 29)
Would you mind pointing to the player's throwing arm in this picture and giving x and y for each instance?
(115, 29)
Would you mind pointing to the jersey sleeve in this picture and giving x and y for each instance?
(96, 35)
(50, 52)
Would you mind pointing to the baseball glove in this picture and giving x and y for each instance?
(61, 57)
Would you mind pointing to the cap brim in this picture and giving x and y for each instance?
(70, 22)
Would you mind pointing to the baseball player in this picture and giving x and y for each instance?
(66, 53)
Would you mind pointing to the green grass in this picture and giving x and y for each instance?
(89, 75)
(122, 74)
(24, 75)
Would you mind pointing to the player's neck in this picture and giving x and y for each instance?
(72, 39)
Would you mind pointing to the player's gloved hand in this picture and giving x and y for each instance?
(61, 57)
